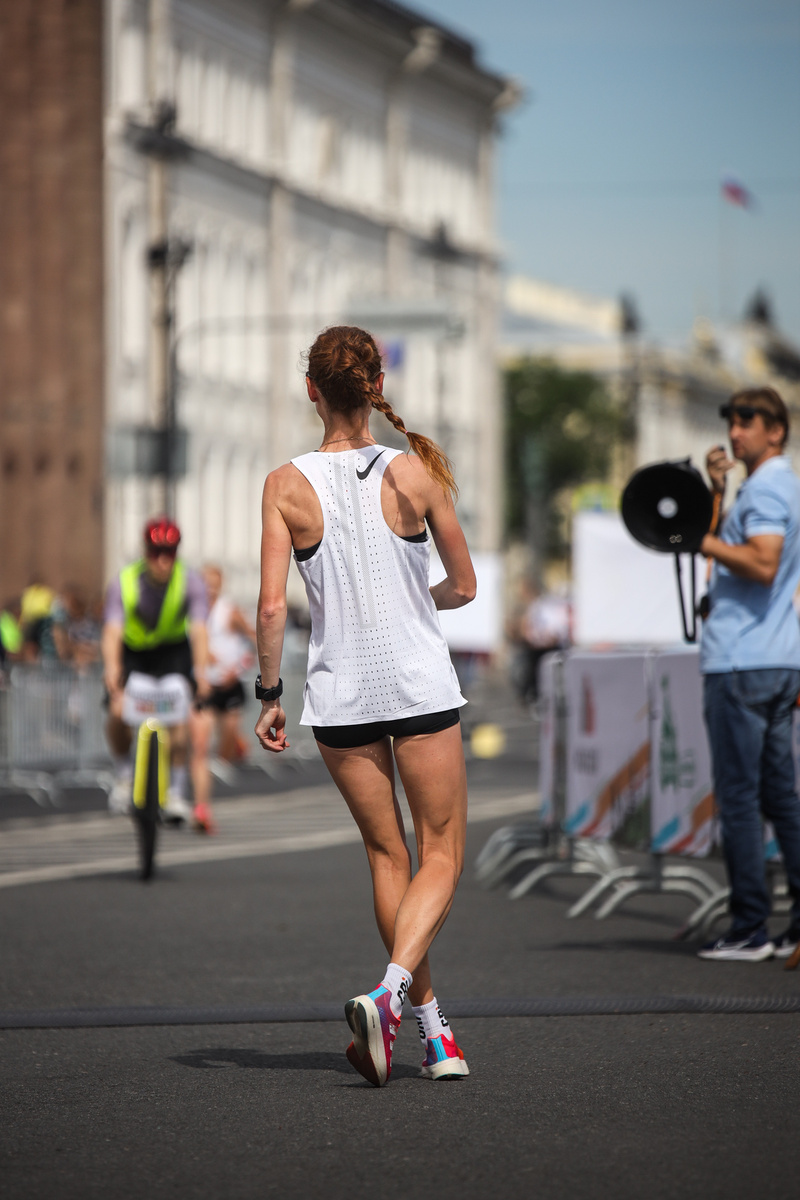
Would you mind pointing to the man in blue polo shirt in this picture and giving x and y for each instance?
(750, 660)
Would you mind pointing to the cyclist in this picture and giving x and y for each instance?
(154, 622)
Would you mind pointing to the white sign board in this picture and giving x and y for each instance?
(624, 595)
(476, 628)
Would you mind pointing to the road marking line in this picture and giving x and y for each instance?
(483, 808)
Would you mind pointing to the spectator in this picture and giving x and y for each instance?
(545, 626)
(76, 632)
(37, 622)
(750, 660)
(11, 639)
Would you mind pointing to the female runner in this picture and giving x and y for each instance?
(380, 687)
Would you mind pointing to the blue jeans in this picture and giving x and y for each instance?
(748, 715)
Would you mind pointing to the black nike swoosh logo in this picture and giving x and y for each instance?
(363, 474)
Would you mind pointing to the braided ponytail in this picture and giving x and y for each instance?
(434, 459)
(344, 363)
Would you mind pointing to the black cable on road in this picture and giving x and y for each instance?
(267, 1014)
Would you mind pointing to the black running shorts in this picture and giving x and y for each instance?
(172, 658)
(347, 737)
(225, 699)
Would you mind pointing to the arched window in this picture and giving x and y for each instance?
(133, 308)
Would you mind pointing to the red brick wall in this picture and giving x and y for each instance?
(51, 293)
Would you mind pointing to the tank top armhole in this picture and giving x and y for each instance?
(308, 468)
(307, 552)
(421, 537)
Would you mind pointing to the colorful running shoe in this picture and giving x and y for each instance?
(202, 819)
(374, 1027)
(443, 1059)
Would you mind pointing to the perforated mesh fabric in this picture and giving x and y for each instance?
(377, 651)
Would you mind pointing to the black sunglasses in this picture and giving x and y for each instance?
(742, 412)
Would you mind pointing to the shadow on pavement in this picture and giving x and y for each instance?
(672, 948)
(223, 1058)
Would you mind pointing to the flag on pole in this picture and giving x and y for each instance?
(734, 191)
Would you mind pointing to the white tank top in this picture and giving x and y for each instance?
(377, 652)
(230, 650)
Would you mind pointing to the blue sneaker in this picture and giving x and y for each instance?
(741, 947)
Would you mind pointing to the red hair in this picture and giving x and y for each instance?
(344, 363)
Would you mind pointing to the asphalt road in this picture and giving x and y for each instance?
(655, 1105)
(560, 1106)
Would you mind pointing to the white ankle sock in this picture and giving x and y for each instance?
(177, 781)
(397, 980)
(123, 766)
(431, 1021)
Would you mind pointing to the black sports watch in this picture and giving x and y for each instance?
(273, 693)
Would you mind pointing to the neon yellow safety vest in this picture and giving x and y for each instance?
(10, 633)
(172, 624)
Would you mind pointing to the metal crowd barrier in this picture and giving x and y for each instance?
(656, 796)
(51, 731)
(538, 849)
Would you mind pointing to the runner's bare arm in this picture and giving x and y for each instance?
(459, 586)
(240, 624)
(198, 637)
(276, 553)
(111, 648)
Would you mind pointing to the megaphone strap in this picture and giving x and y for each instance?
(716, 517)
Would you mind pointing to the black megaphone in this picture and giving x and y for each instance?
(667, 507)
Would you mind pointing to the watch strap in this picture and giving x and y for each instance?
(273, 693)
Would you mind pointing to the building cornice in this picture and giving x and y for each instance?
(400, 33)
(149, 141)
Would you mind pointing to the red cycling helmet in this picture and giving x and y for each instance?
(161, 534)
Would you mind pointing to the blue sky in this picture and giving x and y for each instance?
(608, 175)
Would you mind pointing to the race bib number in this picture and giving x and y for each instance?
(167, 700)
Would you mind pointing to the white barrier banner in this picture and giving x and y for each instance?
(547, 737)
(682, 799)
(608, 741)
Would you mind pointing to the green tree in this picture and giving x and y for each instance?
(561, 428)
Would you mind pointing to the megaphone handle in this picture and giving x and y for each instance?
(687, 635)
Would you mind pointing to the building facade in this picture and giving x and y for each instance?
(673, 393)
(272, 168)
(51, 295)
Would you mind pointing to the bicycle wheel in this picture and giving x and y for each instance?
(148, 813)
